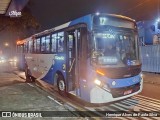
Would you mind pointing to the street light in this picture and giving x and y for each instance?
(6, 44)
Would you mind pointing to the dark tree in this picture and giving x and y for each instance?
(20, 26)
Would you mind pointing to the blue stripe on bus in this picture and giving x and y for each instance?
(124, 82)
(57, 66)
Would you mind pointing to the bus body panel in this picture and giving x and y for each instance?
(58, 64)
(44, 66)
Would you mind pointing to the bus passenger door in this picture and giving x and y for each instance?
(76, 57)
(71, 59)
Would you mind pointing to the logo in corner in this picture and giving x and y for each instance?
(15, 13)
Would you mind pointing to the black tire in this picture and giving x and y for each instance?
(61, 85)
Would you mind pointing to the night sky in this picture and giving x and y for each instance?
(51, 13)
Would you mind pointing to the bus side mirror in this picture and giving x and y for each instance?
(153, 28)
(158, 25)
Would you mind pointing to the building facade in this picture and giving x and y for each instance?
(149, 32)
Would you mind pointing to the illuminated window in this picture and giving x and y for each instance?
(48, 43)
(38, 45)
(60, 42)
(30, 46)
(70, 41)
(25, 47)
(43, 44)
(54, 43)
(35, 45)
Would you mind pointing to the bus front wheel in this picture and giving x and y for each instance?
(61, 85)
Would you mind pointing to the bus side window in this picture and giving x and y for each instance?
(70, 41)
(25, 47)
(22, 48)
(38, 45)
(54, 42)
(35, 45)
(48, 43)
(61, 42)
(43, 44)
(30, 46)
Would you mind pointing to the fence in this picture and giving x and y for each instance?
(150, 57)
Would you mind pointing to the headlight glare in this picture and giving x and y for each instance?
(97, 82)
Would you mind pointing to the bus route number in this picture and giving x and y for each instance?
(64, 66)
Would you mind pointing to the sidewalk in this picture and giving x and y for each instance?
(21, 74)
(151, 78)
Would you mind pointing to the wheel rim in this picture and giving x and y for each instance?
(61, 85)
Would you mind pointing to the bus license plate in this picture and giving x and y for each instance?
(127, 92)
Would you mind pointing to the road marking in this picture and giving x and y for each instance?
(54, 100)
(108, 108)
(157, 118)
(119, 118)
(69, 107)
(124, 106)
(131, 118)
(139, 106)
(30, 85)
(119, 108)
(147, 98)
(146, 118)
(149, 103)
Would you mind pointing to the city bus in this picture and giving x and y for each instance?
(94, 57)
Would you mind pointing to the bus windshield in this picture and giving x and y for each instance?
(118, 48)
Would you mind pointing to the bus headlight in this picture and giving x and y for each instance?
(102, 85)
(98, 82)
(114, 83)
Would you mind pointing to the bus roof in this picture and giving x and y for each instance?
(82, 19)
(121, 16)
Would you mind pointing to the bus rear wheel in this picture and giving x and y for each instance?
(61, 85)
(29, 78)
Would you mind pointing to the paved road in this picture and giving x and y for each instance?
(16, 95)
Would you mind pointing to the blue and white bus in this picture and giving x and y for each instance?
(95, 57)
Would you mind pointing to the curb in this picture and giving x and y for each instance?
(14, 72)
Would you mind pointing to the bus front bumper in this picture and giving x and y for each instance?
(100, 95)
